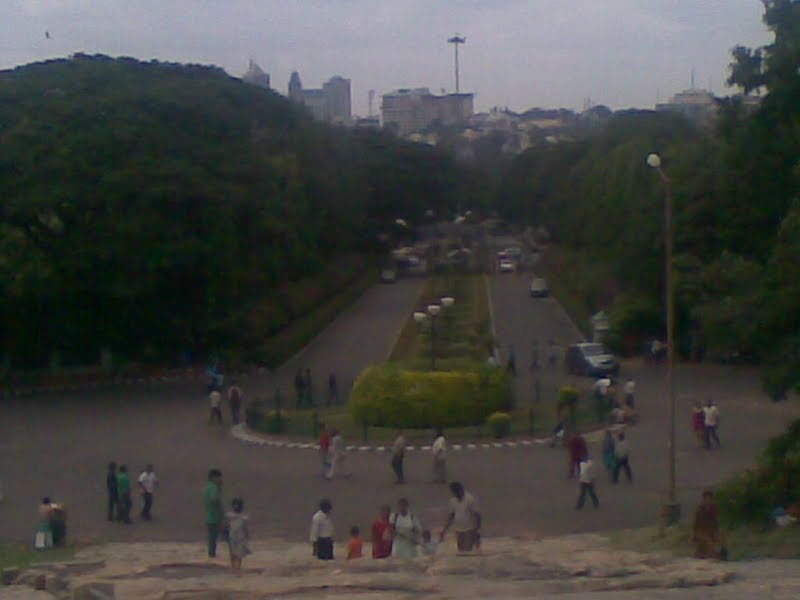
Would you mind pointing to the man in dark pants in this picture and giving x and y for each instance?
(212, 502)
(124, 492)
(111, 487)
(398, 455)
(587, 483)
(621, 458)
(147, 484)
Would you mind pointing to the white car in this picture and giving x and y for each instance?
(507, 266)
(539, 288)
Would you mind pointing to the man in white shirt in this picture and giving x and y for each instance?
(586, 479)
(464, 517)
(622, 458)
(629, 389)
(215, 398)
(147, 485)
(439, 450)
(711, 419)
(322, 531)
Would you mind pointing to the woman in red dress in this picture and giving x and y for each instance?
(382, 535)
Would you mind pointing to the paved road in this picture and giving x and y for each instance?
(58, 446)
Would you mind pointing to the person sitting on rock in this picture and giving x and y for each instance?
(705, 528)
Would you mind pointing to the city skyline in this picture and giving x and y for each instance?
(518, 54)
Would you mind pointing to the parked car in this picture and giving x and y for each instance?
(592, 359)
(514, 251)
(539, 288)
(388, 276)
(507, 266)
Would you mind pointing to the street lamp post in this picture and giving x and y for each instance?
(671, 511)
(432, 313)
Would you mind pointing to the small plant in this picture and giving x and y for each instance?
(499, 424)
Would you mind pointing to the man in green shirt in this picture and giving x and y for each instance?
(124, 494)
(212, 501)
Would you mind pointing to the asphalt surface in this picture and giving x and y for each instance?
(59, 445)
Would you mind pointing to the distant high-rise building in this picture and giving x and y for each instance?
(330, 103)
(408, 111)
(256, 76)
(698, 106)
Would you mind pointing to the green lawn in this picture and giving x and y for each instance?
(15, 554)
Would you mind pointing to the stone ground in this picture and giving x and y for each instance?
(572, 567)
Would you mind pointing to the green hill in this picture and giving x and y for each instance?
(152, 207)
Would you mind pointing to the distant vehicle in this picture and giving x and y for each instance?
(502, 255)
(592, 359)
(514, 251)
(412, 260)
(507, 266)
(539, 288)
(388, 276)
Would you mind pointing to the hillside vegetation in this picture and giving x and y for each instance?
(736, 215)
(168, 211)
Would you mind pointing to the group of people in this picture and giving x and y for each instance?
(304, 389)
(400, 534)
(705, 421)
(607, 402)
(233, 525)
(616, 457)
(118, 487)
(333, 453)
(235, 402)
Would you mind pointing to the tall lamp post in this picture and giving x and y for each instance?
(432, 313)
(671, 511)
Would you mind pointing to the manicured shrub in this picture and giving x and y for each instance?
(499, 424)
(389, 396)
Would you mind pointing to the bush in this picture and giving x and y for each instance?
(499, 424)
(389, 396)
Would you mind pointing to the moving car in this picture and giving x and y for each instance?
(590, 358)
(539, 288)
(507, 266)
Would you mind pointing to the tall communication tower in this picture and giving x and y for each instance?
(456, 40)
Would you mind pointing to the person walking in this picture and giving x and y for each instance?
(578, 451)
(622, 458)
(609, 455)
(111, 490)
(439, 450)
(322, 531)
(299, 387)
(464, 517)
(147, 485)
(406, 530)
(699, 424)
(124, 494)
(511, 366)
(237, 525)
(711, 421)
(338, 456)
(398, 456)
(382, 534)
(235, 398)
(212, 502)
(333, 390)
(215, 399)
(629, 390)
(586, 482)
(324, 449)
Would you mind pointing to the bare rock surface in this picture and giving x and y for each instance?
(574, 567)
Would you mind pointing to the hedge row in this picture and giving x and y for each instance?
(390, 396)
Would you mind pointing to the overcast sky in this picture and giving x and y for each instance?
(519, 53)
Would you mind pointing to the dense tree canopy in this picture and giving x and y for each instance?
(736, 193)
(148, 207)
